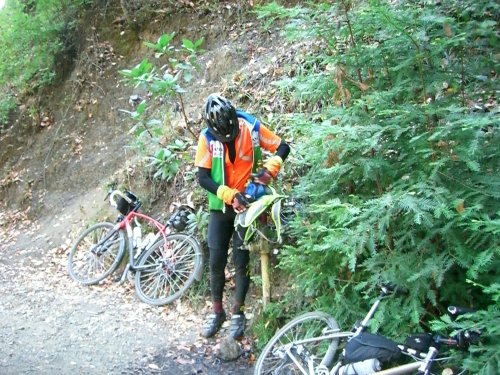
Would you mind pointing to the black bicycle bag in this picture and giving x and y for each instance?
(367, 345)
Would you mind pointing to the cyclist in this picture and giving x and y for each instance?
(229, 150)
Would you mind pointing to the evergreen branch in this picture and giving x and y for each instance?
(352, 40)
(462, 80)
(419, 59)
(466, 186)
(361, 86)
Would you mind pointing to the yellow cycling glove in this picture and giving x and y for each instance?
(273, 165)
(226, 194)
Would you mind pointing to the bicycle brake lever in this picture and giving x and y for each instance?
(109, 193)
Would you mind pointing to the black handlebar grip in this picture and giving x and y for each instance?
(458, 310)
(395, 289)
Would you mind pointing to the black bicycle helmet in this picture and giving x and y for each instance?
(221, 118)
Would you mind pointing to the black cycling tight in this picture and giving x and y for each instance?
(220, 231)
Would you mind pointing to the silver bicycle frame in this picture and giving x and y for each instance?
(335, 334)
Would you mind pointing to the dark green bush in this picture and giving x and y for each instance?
(400, 125)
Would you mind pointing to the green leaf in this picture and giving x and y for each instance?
(179, 89)
(151, 45)
(159, 154)
(199, 42)
(187, 76)
(125, 72)
(141, 107)
(152, 122)
(164, 40)
(174, 167)
(188, 44)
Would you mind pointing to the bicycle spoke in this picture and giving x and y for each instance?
(277, 355)
(167, 270)
(91, 261)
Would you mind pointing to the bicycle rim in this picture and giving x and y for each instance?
(170, 271)
(88, 263)
(274, 358)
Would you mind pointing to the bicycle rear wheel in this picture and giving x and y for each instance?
(274, 358)
(89, 263)
(170, 271)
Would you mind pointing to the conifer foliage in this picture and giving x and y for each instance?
(400, 122)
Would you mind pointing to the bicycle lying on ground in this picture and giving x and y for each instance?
(165, 264)
(308, 344)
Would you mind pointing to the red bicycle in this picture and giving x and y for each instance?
(165, 264)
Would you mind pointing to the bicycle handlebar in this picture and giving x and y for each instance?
(395, 288)
(113, 193)
(458, 310)
(461, 340)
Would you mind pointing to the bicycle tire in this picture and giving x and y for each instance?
(87, 267)
(168, 277)
(273, 359)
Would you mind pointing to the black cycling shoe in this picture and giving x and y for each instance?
(237, 328)
(213, 324)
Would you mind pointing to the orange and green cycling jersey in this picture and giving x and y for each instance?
(211, 153)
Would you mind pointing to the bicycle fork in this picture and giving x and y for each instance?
(300, 350)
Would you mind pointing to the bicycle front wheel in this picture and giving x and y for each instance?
(166, 272)
(91, 261)
(275, 358)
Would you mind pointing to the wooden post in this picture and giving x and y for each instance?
(262, 247)
(264, 263)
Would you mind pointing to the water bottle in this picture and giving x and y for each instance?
(366, 367)
(147, 241)
(137, 235)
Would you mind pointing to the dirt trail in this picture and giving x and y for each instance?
(51, 325)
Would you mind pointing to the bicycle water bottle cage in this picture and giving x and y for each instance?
(126, 203)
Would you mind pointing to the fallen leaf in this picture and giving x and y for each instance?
(447, 30)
